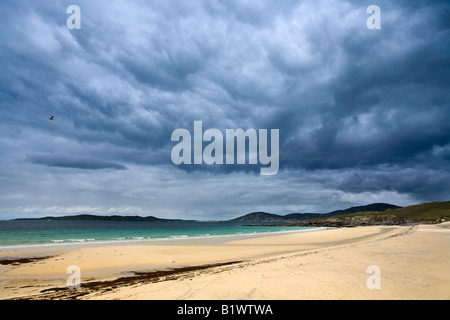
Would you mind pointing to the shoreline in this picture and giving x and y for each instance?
(16, 254)
(137, 270)
(150, 240)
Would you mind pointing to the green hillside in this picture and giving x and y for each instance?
(432, 212)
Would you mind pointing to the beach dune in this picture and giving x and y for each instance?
(374, 262)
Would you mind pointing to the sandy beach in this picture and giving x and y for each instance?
(412, 262)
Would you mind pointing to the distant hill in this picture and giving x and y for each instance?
(371, 207)
(432, 212)
(259, 217)
(264, 217)
(90, 217)
(372, 214)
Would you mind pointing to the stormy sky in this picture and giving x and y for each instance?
(363, 114)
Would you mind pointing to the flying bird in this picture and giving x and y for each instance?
(51, 118)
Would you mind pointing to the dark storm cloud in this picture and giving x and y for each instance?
(358, 110)
(73, 161)
(386, 103)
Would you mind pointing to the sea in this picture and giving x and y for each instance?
(53, 232)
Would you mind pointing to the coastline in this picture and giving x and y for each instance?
(161, 270)
(149, 241)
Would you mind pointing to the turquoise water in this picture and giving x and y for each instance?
(40, 232)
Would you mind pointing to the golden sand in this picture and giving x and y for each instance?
(323, 264)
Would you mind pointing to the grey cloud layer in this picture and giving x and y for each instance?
(69, 161)
(372, 105)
